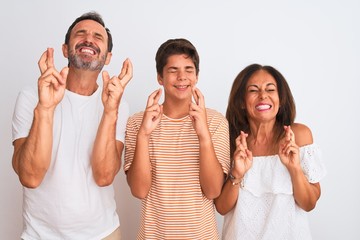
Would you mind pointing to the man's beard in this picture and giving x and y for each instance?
(93, 65)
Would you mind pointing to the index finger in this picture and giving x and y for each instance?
(288, 133)
(42, 62)
(243, 137)
(154, 98)
(237, 141)
(198, 97)
(291, 134)
(50, 58)
(126, 72)
(46, 60)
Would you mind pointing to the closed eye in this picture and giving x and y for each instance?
(172, 70)
(253, 89)
(99, 36)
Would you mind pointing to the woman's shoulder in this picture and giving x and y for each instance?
(303, 134)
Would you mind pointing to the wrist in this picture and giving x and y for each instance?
(236, 180)
(295, 170)
(111, 113)
(109, 118)
(142, 134)
(41, 112)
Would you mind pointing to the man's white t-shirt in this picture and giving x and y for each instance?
(68, 204)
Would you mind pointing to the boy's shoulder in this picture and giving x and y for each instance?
(213, 113)
(138, 114)
(136, 117)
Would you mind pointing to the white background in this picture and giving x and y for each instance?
(315, 44)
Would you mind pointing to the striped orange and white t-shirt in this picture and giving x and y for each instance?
(175, 207)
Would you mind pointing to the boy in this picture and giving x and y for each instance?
(177, 152)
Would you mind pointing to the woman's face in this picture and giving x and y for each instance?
(262, 97)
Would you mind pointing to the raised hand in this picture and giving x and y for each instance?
(242, 156)
(51, 83)
(197, 113)
(113, 88)
(288, 150)
(152, 114)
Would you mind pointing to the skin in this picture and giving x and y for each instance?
(178, 80)
(262, 91)
(32, 155)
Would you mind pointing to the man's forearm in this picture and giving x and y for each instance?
(32, 155)
(106, 155)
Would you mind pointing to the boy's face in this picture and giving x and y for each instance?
(179, 77)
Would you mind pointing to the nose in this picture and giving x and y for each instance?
(263, 94)
(89, 38)
(181, 75)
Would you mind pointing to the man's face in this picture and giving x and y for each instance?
(88, 46)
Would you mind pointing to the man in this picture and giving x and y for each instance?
(177, 152)
(68, 139)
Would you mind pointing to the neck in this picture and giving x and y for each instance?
(82, 82)
(176, 110)
(261, 139)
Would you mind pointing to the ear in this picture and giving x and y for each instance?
(159, 79)
(108, 58)
(65, 50)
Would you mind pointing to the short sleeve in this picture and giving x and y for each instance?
(219, 128)
(312, 163)
(23, 113)
(132, 129)
(123, 116)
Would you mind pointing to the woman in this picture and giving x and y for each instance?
(276, 167)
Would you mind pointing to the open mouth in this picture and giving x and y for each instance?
(182, 87)
(87, 49)
(262, 107)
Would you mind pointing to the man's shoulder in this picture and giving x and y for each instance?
(27, 96)
(30, 91)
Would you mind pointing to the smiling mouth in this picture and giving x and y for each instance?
(263, 107)
(182, 87)
(87, 49)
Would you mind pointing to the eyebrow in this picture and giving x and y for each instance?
(84, 31)
(80, 31)
(268, 84)
(176, 68)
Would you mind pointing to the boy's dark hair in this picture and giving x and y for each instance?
(90, 16)
(175, 47)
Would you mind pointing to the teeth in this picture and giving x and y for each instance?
(86, 50)
(263, 107)
(181, 87)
